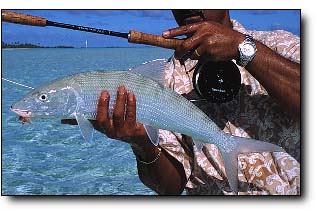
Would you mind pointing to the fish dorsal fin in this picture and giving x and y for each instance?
(153, 69)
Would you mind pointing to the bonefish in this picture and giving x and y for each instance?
(158, 107)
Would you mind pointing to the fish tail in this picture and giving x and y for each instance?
(235, 146)
(232, 146)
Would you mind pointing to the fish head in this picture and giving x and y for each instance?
(49, 101)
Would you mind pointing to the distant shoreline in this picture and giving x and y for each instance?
(17, 45)
(8, 48)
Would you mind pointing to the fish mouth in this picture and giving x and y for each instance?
(22, 113)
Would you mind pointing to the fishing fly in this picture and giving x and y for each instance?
(23, 119)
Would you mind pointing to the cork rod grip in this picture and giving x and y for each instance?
(14, 17)
(149, 39)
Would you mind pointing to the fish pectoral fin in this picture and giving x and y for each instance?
(152, 134)
(85, 126)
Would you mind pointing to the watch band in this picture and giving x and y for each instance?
(248, 38)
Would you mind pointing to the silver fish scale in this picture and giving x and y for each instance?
(156, 106)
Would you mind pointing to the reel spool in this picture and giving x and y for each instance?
(217, 82)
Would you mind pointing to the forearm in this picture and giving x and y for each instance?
(165, 176)
(279, 76)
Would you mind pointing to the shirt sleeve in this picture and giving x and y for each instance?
(282, 42)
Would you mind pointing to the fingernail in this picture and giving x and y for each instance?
(166, 33)
(104, 95)
(131, 96)
(121, 90)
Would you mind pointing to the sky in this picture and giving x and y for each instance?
(148, 21)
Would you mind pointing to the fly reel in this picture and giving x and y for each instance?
(217, 82)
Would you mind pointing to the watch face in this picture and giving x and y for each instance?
(248, 50)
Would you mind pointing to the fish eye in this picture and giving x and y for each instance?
(43, 97)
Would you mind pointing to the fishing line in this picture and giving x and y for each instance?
(16, 83)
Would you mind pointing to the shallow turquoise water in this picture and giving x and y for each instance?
(49, 158)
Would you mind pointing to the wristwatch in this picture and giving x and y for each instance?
(247, 51)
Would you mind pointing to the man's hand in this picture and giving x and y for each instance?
(216, 42)
(210, 39)
(123, 125)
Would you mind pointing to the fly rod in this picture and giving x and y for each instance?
(132, 36)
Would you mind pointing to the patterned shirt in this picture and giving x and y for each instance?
(253, 114)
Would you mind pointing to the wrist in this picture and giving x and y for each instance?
(140, 136)
(239, 38)
(145, 151)
(149, 159)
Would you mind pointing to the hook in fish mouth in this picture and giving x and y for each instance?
(22, 113)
